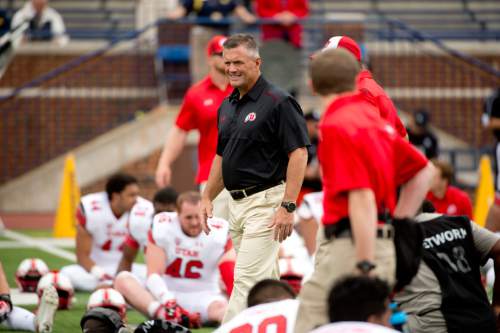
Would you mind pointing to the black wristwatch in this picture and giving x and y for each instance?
(365, 266)
(290, 206)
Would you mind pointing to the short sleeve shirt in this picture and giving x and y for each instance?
(256, 134)
(359, 150)
(423, 294)
(455, 202)
(199, 111)
(366, 84)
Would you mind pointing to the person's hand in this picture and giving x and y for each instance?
(286, 18)
(282, 223)
(163, 175)
(206, 213)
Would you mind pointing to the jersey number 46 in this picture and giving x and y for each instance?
(190, 270)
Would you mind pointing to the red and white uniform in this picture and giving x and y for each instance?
(275, 317)
(455, 202)
(139, 223)
(311, 207)
(192, 262)
(192, 267)
(353, 327)
(108, 232)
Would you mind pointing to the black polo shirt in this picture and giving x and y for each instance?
(256, 134)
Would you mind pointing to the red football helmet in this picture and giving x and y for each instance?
(291, 272)
(29, 272)
(63, 286)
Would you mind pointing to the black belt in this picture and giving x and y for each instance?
(342, 229)
(246, 192)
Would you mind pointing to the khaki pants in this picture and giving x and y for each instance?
(336, 258)
(256, 250)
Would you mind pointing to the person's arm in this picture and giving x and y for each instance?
(413, 192)
(128, 257)
(155, 263)
(5, 301)
(495, 255)
(83, 248)
(283, 220)
(174, 143)
(493, 123)
(214, 186)
(363, 218)
(244, 14)
(308, 229)
(4, 285)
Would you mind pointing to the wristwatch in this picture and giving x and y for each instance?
(290, 206)
(365, 266)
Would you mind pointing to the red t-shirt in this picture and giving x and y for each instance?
(199, 111)
(268, 8)
(455, 202)
(366, 84)
(359, 150)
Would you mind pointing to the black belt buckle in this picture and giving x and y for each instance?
(240, 194)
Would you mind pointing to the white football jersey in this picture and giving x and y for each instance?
(139, 222)
(353, 327)
(275, 317)
(108, 232)
(192, 262)
(311, 206)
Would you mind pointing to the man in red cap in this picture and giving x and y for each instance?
(199, 111)
(365, 83)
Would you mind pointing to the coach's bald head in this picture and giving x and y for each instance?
(333, 71)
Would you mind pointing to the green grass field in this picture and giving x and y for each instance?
(67, 321)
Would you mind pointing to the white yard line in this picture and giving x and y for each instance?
(45, 246)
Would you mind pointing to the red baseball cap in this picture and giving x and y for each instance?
(214, 46)
(345, 42)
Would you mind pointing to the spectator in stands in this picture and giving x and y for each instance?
(210, 13)
(45, 23)
(282, 41)
(448, 199)
(366, 84)
(447, 294)
(199, 111)
(421, 136)
(491, 121)
(358, 304)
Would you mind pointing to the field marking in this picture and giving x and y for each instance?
(45, 246)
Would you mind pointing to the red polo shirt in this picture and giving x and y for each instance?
(454, 202)
(359, 150)
(199, 111)
(365, 83)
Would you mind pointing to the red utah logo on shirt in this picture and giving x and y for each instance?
(250, 117)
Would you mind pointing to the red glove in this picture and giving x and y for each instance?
(194, 318)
